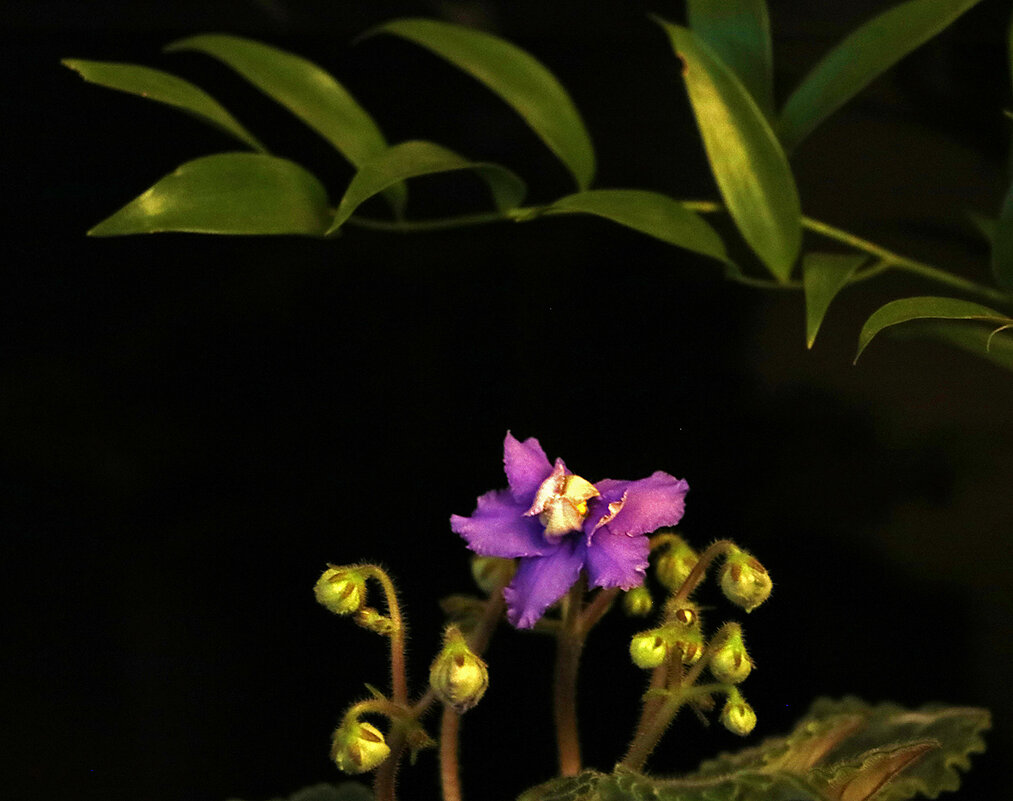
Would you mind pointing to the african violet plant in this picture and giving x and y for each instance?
(554, 551)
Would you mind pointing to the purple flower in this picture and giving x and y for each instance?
(560, 524)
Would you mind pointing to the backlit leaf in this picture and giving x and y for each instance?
(162, 87)
(228, 193)
(309, 92)
(1002, 244)
(649, 213)
(823, 276)
(860, 58)
(518, 78)
(416, 158)
(905, 309)
(749, 166)
(738, 32)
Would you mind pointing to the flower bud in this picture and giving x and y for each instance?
(689, 643)
(637, 602)
(491, 572)
(649, 649)
(458, 676)
(674, 564)
(744, 581)
(685, 614)
(730, 663)
(738, 716)
(369, 618)
(358, 747)
(341, 589)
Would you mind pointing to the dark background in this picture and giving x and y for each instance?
(192, 427)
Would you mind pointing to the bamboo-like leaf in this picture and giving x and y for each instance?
(162, 87)
(993, 346)
(919, 308)
(416, 158)
(649, 213)
(1002, 244)
(749, 166)
(518, 78)
(823, 276)
(228, 193)
(860, 58)
(738, 31)
(311, 93)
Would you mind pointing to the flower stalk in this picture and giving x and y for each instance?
(569, 645)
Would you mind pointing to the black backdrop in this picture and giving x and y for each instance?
(193, 426)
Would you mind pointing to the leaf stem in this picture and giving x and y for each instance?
(450, 769)
(569, 644)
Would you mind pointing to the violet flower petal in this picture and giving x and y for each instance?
(616, 560)
(498, 527)
(526, 466)
(541, 582)
(650, 503)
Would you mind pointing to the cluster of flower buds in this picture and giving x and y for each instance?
(744, 581)
(458, 675)
(358, 747)
(679, 634)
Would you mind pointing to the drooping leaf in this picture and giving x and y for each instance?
(649, 213)
(749, 166)
(997, 349)
(346, 791)
(860, 58)
(162, 87)
(309, 92)
(228, 193)
(985, 226)
(823, 276)
(900, 311)
(1002, 244)
(518, 78)
(416, 158)
(738, 32)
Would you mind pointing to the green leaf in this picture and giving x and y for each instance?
(346, 791)
(228, 193)
(900, 311)
(823, 276)
(649, 213)
(738, 32)
(747, 161)
(863, 55)
(162, 87)
(582, 787)
(412, 159)
(997, 349)
(1002, 244)
(309, 92)
(986, 226)
(518, 78)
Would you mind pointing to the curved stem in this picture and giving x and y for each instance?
(399, 676)
(696, 575)
(596, 610)
(569, 644)
(450, 770)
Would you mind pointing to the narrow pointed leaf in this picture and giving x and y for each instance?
(749, 166)
(649, 213)
(416, 158)
(860, 58)
(823, 276)
(919, 308)
(1002, 244)
(228, 193)
(986, 226)
(309, 92)
(518, 78)
(162, 87)
(738, 32)
(979, 341)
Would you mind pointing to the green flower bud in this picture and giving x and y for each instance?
(341, 589)
(689, 643)
(674, 564)
(458, 676)
(730, 663)
(491, 572)
(738, 716)
(369, 618)
(685, 614)
(649, 649)
(637, 602)
(358, 747)
(744, 581)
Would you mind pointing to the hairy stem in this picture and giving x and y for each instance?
(399, 676)
(569, 644)
(450, 769)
